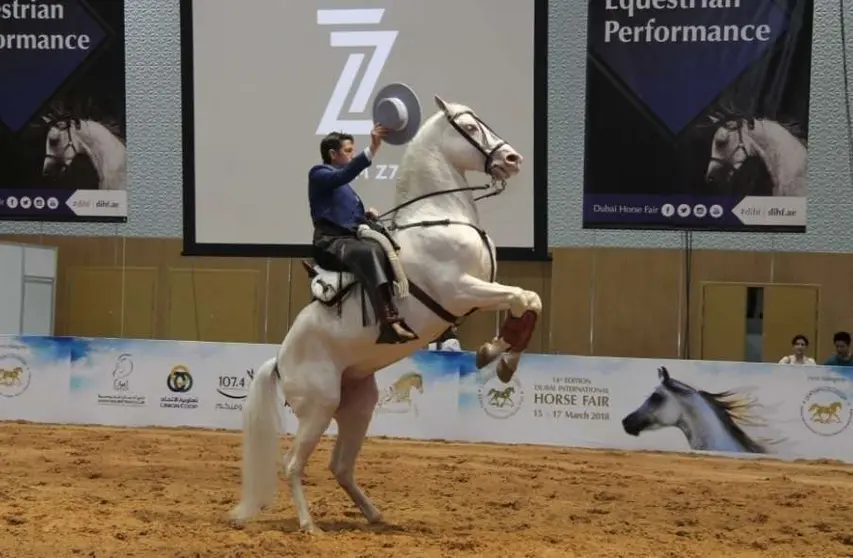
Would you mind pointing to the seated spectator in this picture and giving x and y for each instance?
(842, 355)
(447, 341)
(800, 343)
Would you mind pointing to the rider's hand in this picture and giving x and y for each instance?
(372, 213)
(379, 131)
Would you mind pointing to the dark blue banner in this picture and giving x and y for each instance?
(697, 114)
(62, 110)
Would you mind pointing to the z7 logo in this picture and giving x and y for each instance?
(382, 41)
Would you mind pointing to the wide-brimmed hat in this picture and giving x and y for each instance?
(396, 106)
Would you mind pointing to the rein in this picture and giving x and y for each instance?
(497, 188)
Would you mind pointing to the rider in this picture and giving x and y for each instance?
(337, 212)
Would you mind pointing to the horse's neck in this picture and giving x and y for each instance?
(424, 172)
(106, 152)
(703, 428)
(782, 153)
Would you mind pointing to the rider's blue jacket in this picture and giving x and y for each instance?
(330, 195)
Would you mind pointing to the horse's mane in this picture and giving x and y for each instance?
(734, 410)
(726, 110)
(59, 111)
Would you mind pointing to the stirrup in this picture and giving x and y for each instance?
(389, 336)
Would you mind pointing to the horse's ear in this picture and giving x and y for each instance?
(46, 119)
(439, 102)
(76, 122)
(663, 374)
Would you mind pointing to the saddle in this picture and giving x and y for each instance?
(330, 286)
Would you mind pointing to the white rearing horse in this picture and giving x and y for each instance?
(70, 136)
(326, 364)
(738, 138)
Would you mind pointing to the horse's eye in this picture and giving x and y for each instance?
(656, 398)
(471, 127)
(53, 141)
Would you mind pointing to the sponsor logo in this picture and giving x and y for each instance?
(122, 395)
(500, 400)
(826, 411)
(234, 389)
(382, 42)
(14, 375)
(179, 381)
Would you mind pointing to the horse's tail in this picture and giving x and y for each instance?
(260, 442)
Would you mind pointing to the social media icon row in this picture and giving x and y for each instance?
(12, 202)
(699, 210)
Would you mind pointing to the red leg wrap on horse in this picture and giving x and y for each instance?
(518, 331)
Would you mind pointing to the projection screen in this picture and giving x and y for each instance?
(264, 80)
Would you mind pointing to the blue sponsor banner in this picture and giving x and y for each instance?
(697, 114)
(62, 111)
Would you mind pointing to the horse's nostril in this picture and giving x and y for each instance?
(512, 158)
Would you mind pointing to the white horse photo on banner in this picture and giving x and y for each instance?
(711, 101)
(63, 140)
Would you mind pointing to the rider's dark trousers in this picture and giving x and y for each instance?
(338, 249)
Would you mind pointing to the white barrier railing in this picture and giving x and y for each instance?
(787, 411)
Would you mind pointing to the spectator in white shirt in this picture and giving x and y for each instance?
(447, 341)
(800, 343)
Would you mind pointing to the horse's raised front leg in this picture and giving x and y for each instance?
(514, 336)
(358, 400)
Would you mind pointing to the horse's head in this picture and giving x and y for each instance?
(664, 407)
(730, 148)
(62, 143)
(469, 144)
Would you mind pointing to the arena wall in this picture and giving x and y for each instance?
(741, 409)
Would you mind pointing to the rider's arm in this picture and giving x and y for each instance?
(324, 178)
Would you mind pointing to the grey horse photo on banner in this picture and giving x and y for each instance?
(63, 111)
(697, 115)
(709, 421)
(780, 146)
(83, 152)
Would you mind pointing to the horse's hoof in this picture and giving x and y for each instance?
(507, 366)
(487, 354)
(311, 529)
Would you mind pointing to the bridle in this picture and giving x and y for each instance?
(727, 163)
(488, 151)
(64, 125)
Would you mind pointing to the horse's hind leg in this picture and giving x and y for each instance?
(358, 399)
(313, 396)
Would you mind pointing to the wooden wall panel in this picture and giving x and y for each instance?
(570, 301)
(723, 330)
(636, 302)
(633, 298)
(789, 310)
(834, 274)
(718, 266)
(215, 305)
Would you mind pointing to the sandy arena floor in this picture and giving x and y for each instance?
(97, 492)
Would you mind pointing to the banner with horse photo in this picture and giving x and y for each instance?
(737, 409)
(697, 114)
(62, 111)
